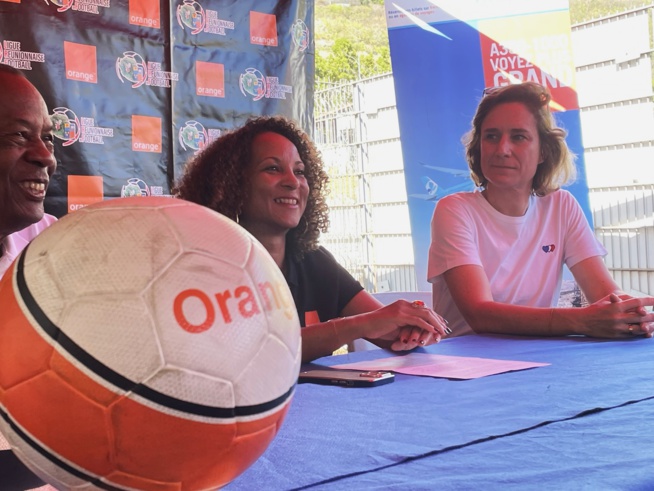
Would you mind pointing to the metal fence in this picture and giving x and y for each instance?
(624, 223)
(357, 131)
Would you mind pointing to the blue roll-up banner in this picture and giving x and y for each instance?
(136, 87)
(444, 53)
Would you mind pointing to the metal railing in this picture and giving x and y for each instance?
(342, 131)
(624, 222)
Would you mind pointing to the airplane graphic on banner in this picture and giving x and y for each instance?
(434, 192)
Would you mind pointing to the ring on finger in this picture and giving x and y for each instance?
(418, 304)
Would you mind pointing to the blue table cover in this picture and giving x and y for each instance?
(583, 422)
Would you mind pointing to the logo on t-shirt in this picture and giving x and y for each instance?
(549, 248)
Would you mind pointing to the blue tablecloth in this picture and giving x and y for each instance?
(585, 421)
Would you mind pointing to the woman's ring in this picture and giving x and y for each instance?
(418, 304)
(631, 330)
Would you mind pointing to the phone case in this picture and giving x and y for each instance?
(346, 378)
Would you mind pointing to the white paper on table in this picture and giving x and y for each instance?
(445, 366)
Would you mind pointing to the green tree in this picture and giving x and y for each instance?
(340, 63)
(351, 40)
(584, 10)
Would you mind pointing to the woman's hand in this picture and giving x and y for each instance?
(619, 316)
(405, 324)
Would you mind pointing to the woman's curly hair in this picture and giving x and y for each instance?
(557, 167)
(216, 177)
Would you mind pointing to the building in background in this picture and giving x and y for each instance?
(613, 59)
(357, 131)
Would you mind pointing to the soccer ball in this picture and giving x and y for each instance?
(145, 343)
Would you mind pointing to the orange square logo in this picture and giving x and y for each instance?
(263, 29)
(146, 134)
(209, 79)
(145, 13)
(83, 191)
(80, 61)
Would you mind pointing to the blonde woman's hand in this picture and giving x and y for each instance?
(620, 316)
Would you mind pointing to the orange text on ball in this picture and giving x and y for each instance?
(242, 300)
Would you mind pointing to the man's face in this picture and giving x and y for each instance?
(26, 153)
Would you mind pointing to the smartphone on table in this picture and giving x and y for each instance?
(346, 378)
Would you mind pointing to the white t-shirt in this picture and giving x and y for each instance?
(13, 244)
(523, 257)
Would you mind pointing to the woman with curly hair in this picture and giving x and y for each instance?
(268, 176)
(497, 254)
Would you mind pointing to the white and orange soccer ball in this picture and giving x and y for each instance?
(145, 343)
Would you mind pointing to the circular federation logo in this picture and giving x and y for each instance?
(253, 83)
(134, 187)
(191, 14)
(65, 125)
(131, 67)
(300, 34)
(62, 4)
(193, 135)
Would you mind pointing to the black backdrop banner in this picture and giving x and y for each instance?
(136, 87)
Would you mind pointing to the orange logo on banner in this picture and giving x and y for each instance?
(146, 134)
(209, 79)
(145, 13)
(83, 191)
(80, 61)
(263, 29)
